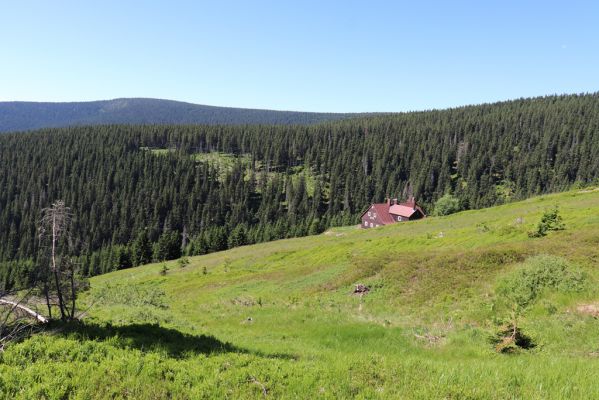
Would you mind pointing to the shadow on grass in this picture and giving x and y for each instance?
(153, 337)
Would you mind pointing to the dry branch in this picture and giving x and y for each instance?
(27, 310)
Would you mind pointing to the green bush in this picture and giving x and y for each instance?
(164, 269)
(510, 339)
(446, 205)
(522, 288)
(183, 262)
(550, 221)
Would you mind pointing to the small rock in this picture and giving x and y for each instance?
(361, 289)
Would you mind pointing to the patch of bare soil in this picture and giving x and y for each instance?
(429, 338)
(589, 190)
(591, 309)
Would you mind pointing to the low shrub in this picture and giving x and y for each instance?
(164, 270)
(510, 339)
(446, 205)
(538, 274)
(550, 221)
(520, 290)
(183, 262)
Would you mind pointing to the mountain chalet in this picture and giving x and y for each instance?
(379, 214)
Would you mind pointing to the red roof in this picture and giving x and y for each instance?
(402, 210)
(382, 209)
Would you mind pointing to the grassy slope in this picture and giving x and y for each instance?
(279, 317)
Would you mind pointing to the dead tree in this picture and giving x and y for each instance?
(58, 268)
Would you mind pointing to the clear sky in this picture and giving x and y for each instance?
(302, 55)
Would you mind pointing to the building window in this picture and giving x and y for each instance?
(371, 224)
(365, 223)
(374, 215)
(369, 214)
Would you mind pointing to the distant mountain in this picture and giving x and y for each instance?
(21, 116)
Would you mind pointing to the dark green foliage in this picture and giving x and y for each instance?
(142, 249)
(238, 236)
(550, 221)
(282, 178)
(315, 227)
(122, 256)
(17, 274)
(168, 246)
(446, 205)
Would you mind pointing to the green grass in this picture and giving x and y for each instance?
(280, 318)
(224, 163)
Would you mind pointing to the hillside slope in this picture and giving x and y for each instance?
(273, 182)
(23, 115)
(279, 320)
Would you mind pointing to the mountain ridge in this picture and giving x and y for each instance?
(29, 115)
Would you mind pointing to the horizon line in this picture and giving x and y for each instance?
(491, 102)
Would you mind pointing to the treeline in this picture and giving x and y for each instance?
(287, 181)
(23, 115)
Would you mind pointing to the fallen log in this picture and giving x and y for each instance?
(25, 309)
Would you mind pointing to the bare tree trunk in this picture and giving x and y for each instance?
(73, 294)
(54, 230)
(55, 268)
(59, 295)
(47, 295)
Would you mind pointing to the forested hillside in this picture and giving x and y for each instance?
(22, 115)
(142, 192)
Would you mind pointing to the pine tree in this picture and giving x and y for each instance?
(142, 249)
(168, 246)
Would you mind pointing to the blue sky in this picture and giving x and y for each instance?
(305, 55)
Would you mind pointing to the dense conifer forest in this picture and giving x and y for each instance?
(153, 192)
(23, 115)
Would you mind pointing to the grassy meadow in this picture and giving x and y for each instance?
(279, 320)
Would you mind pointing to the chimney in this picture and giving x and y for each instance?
(388, 201)
(394, 201)
(412, 202)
